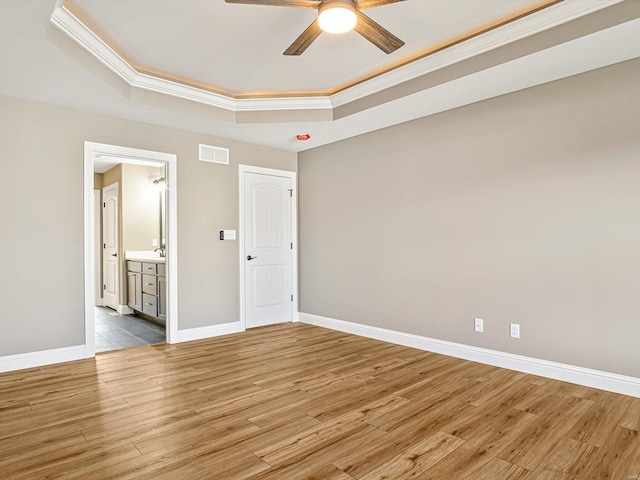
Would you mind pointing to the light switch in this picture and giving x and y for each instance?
(227, 234)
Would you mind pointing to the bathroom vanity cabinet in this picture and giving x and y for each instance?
(147, 287)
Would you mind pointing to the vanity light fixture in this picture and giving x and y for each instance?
(160, 183)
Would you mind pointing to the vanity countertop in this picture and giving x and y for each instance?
(148, 260)
(153, 257)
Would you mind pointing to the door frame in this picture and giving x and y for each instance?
(114, 186)
(242, 170)
(96, 240)
(92, 151)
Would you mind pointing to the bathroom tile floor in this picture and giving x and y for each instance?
(114, 331)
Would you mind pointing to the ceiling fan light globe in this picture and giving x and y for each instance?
(340, 18)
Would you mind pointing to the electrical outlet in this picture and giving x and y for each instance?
(478, 325)
(514, 330)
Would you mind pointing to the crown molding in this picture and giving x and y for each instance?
(538, 22)
(80, 33)
(286, 103)
(71, 26)
(542, 20)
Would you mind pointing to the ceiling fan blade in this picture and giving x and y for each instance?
(377, 34)
(280, 3)
(303, 41)
(362, 4)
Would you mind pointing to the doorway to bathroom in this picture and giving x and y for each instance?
(130, 247)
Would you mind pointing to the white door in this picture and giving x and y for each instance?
(268, 249)
(110, 246)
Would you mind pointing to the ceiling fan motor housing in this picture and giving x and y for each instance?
(337, 16)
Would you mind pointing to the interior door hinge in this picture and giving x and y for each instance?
(104, 287)
(291, 245)
(291, 192)
(104, 204)
(104, 245)
(292, 297)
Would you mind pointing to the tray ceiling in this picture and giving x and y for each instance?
(237, 50)
(49, 55)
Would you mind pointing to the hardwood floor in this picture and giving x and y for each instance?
(301, 402)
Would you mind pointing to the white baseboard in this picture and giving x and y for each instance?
(200, 333)
(558, 371)
(44, 357)
(124, 310)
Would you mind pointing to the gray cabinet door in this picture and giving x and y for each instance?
(162, 298)
(134, 290)
(150, 268)
(150, 304)
(149, 284)
(134, 266)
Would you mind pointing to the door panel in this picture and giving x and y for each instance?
(110, 246)
(268, 251)
(268, 285)
(268, 216)
(111, 278)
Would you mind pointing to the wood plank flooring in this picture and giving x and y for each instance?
(301, 402)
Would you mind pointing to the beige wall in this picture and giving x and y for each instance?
(111, 176)
(41, 278)
(97, 181)
(523, 208)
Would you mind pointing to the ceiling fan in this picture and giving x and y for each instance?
(337, 16)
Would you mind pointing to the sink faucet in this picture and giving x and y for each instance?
(162, 252)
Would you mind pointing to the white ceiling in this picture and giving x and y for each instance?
(102, 163)
(37, 66)
(239, 48)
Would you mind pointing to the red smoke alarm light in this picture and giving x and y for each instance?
(303, 137)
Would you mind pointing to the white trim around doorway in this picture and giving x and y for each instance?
(97, 229)
(129, 155)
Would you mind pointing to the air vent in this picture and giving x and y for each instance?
(209, 153)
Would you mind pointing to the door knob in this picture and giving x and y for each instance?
(249, 257)
(114, 254)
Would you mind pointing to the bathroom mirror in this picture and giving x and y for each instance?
(163, 217)
(160, 183)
